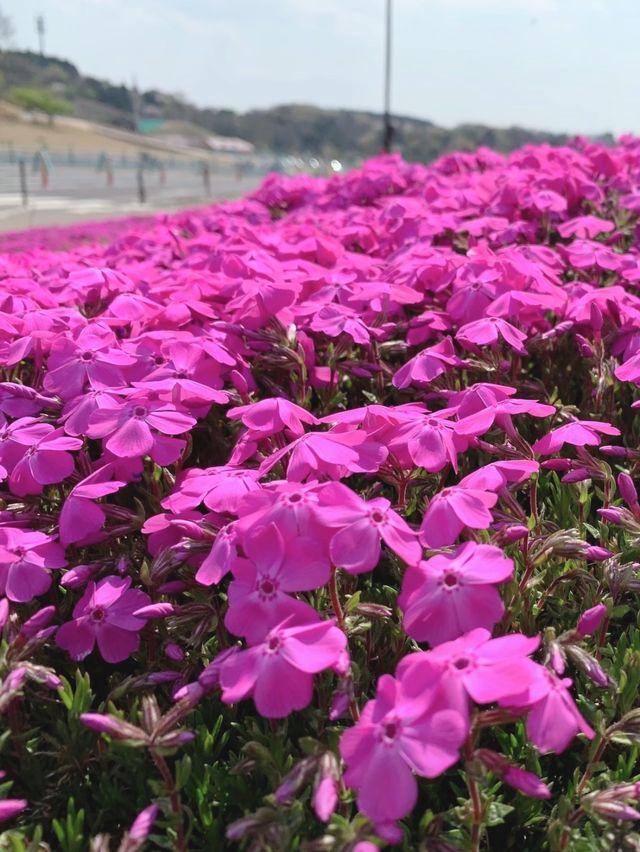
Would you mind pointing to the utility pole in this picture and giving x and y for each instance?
(135, 105)
(387, 137)
(40, 30)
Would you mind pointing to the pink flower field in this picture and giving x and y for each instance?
(319, 526)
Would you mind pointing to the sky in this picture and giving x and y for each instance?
(560, 65)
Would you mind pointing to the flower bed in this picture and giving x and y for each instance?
(319, 523)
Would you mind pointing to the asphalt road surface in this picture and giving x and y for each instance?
(74, 193)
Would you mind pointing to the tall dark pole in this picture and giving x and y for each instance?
(387, 137)
(40, 29)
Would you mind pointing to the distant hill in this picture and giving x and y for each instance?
(290, 129)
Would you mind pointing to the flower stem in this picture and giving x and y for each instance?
(174, 798)
(592, 762)
(476, 803)
(339, 614)
(597, 754)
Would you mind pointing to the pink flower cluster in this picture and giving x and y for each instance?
(328, 379)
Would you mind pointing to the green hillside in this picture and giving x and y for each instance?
(293, 128)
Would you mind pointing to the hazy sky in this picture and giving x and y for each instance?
(570, 65)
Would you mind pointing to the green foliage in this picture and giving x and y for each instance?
(39, 100)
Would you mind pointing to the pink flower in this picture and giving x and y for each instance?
(481, 668)
(579, 433)
(332, 454)
(220, 558)
(453, 509)
(488, 332)
(219, 488)
(128, 428)
(496, 476)
(585, 254)
(585, 227)
(427, 365)
(45, 460)
(629, 371)
(448, 595)
(259, 593)
(481, 405)
(271, 416)
(81, 519)
(166, 529)
(187, 375)
(362, 525)
(554, 720)
(431, 443)
(335, 320)
(92, 357)
(402, 731)
(105, 614)
(278, 672)
(26, 558)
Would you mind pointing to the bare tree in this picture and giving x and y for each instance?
(6, 29)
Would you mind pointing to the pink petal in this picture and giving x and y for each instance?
(356, 548)
(314, 647)
(132, 439)
(280, 688)
(238, 674)
(77, 638)
(115, 644)
(389, 790)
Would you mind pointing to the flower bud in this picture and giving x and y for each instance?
(614, 810)
(627, 489)
(557, 658)
(294, 779)
(156, 677)
(143, 823)
(176, 739)
(38, 621)
(388, 831)
(241, 827)
(191, 691)
(584, 347)
(579, 474)
(325, 793)
(174, 652)
(4, 612)
(587, 664)
(597, 554)
(210, 678)
(339, 706)
(117, 728)
(526, 782)
(11, 807)
(596, 319)
(172, 587)
(239, 382)
(78, 576)
(615, 452)
(591, 619)
(158, 610)
(556, 464)
(515, 532)
(611, 515)
(492, 759)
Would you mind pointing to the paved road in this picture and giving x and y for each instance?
(77, 193)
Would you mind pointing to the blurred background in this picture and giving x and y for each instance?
(115, 107)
